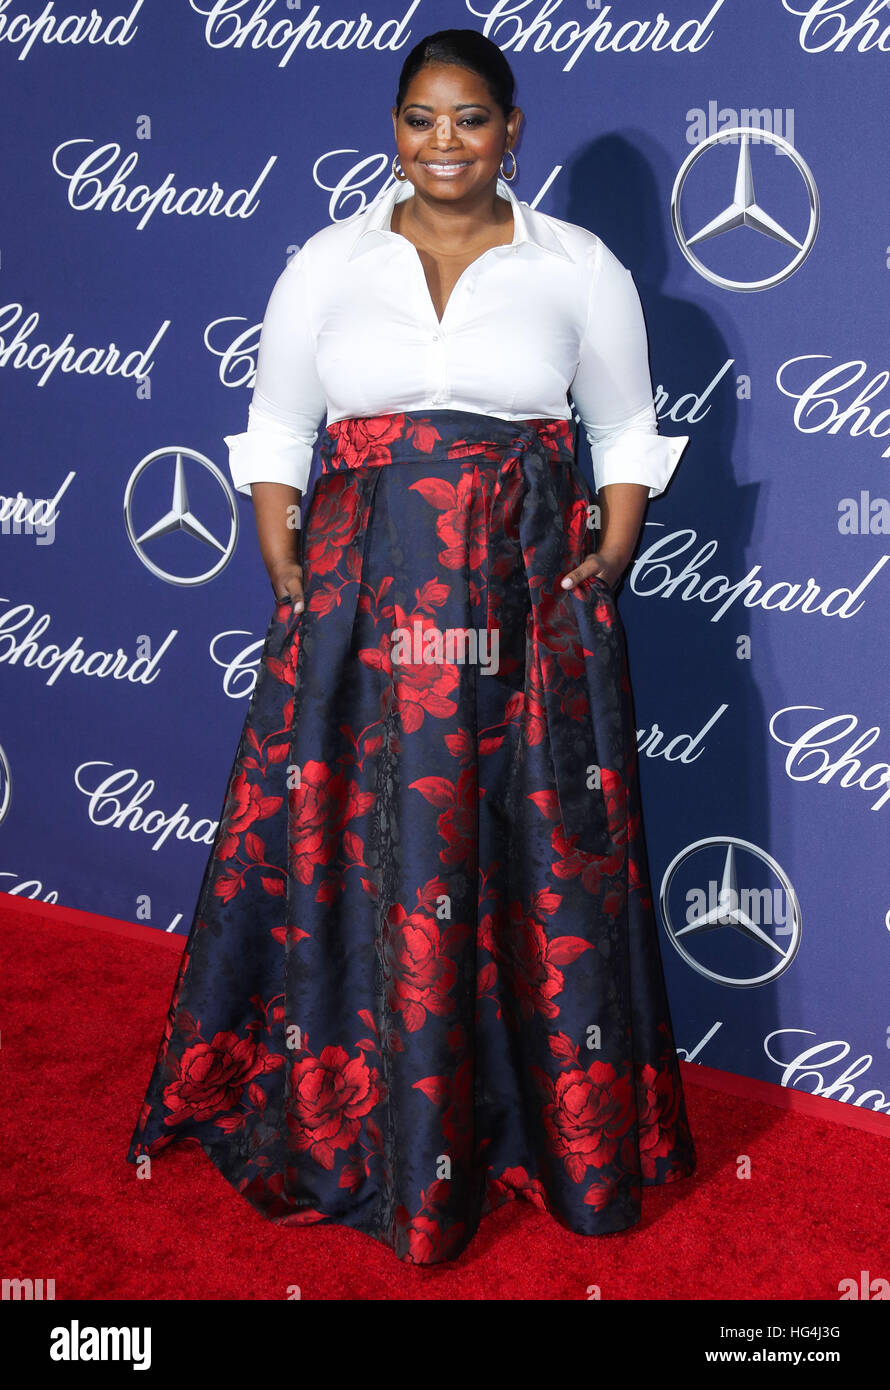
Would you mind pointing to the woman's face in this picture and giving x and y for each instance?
(450, 133)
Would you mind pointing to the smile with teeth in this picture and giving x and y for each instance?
(446, 166)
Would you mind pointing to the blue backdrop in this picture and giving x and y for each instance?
(160, 164)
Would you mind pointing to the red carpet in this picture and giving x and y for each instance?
(83, 1015)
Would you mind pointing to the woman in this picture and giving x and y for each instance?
(423, 976)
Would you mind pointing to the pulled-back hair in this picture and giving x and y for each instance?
(464, 48)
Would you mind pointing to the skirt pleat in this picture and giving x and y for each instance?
(423, 976)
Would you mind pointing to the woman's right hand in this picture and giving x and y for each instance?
(287, 584)
(277, 510)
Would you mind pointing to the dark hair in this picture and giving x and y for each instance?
(465, 48)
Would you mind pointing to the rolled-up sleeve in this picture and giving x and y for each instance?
(288, 402)
(612, 387)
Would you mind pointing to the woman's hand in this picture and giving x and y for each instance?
(277, 509)
(622, 506)
(287, 583)
(609, 570)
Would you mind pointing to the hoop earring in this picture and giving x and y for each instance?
(400, 173)
(511, 176)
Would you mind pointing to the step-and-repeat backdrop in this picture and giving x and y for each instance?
(163, 159)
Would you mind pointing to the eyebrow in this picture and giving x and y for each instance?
(458, 106)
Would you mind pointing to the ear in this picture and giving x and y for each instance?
(514, 121)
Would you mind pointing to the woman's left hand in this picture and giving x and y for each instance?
(610, 571)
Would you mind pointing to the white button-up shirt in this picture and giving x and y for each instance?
(350, 329)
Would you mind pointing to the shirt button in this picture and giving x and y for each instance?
(435, 337)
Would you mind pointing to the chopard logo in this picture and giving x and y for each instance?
(33, 515)
(808, 1066)
(86, 361)
(98, 183)
(240, 671)
(266, 24)
(681, 748)
(517, 25)
(118, 800)
(654, 576)
(818, 405)
(19, 645)
(831, 24)
(49, 27)
(512, 24)
(807, 1070)
(31, 888)
(809, 760)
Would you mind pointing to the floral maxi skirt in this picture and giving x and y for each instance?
(423, 976)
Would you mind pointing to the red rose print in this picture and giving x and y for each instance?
(425, 1237)
(336, 522)
(515, 1182)
(587, 1116)
(285, 671)
(320, 808)
(342, 1048)
(658, 1107)
(331, 1095)
(561, 651)
(363, 441)
(577, 531)
(535, 708)
(417, 970)
(247, 804)
(211, 1076)
(528, 960)
(457, 823)
(420, 688)
(453, 1094)
(599, 874)
(615, 795)
(462, 526)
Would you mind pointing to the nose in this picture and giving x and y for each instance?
(445, 136)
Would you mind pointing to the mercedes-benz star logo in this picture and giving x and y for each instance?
(744, 210)
(727, 934)
(180, 517)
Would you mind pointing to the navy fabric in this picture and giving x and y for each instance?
(423, 976)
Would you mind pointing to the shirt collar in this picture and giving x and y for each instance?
(527, 230)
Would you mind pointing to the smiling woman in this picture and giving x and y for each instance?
(452, 150)
(423, 977)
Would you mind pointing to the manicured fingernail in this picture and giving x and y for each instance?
(567, 582)
(298, 606)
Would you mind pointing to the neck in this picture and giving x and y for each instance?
(452, 223)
